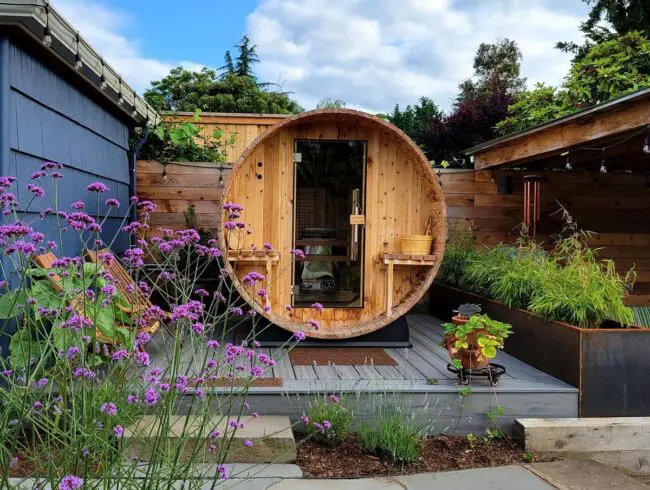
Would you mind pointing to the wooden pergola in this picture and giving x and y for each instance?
(596, 164)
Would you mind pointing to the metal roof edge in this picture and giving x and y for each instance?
(31, 17)
(557, 122)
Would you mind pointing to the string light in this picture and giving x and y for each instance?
(603, 168)
(221, 175)
(164, 175)
(567, 165)
(78, 64)
(102, 80)
(47, 34)
(646, 142)
(120, 97)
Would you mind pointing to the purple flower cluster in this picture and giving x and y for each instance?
(134, 257)
(99, 187)
(251, 278)
(71, 482)
(192, 311)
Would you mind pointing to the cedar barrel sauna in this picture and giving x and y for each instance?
(343, 187)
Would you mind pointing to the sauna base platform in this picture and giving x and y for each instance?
(395, 334)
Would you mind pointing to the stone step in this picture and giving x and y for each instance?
(272, 438)
(620, 442)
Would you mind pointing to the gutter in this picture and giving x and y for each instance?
(133, 156)
(557, 122)
(4, 106)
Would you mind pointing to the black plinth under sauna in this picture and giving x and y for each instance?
(395, 334)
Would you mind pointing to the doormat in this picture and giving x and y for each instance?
(341, 356)
(228, 382)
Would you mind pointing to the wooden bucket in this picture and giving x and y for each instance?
(415, 244)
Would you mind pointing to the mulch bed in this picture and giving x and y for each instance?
(441, 453)
(347, 356)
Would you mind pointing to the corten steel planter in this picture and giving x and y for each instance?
(609, 366)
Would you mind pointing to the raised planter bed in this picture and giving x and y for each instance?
(609, 366)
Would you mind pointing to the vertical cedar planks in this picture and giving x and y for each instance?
(390, 180)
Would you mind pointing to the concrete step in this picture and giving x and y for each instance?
(272, 439)
(620, 442)
(584, 474)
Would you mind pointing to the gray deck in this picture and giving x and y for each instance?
(523, 392)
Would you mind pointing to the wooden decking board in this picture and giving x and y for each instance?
(526, 392)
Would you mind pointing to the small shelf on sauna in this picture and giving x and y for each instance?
(257, 256)
(390, 260)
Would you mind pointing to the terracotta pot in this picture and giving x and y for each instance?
(471, 357)
(459, 319)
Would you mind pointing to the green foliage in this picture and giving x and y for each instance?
(327, 103)
(394, 437)
(608, 70)
(528, 457)
(321, 409)
(489, 334)
(459, 251)
(607, 20)
(183, 142)
(495, 64)
(568, 283)
(415, 118)
(234, 90)
(471, 440)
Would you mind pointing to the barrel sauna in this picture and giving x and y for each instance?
(340, 187)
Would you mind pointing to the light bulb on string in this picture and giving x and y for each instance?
(120, 97)
(568, 165)
(164, 175)
(603, 167)
(646, 142)
(78, 64)
(47, 34)
(102, 80)
(221, 175)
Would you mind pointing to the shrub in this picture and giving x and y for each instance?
(459, 251)
(395, 437)
(78, 372)
(328, 419)
(569, 283)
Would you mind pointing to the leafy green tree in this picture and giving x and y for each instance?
(327, 103)
(246, 59)
(414, 119)
(609, 19)
(236, 89)
(609, 69)
(497, 66)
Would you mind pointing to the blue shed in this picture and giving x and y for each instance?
(60, 102)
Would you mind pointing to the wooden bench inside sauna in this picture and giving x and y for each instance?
(362, 203)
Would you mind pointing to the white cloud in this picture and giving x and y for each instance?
(103, 28)
(375, 53)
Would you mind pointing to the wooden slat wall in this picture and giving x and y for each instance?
(244, 127)
(615, 206)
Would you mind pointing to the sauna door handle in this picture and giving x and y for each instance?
(356, 220)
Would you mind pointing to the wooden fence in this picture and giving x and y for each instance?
(615, 206)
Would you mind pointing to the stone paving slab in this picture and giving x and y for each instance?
(584, 474)
(500, 478)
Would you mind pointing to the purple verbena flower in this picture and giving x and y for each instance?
(109, 408)
(71, 482)
(98, 187)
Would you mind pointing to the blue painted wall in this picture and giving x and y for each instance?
(45, 118)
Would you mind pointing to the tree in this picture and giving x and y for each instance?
(415, 118)
(472, 121)
(246, 59)
(327, 103)
(236, 89)
(609, 19)
(609, 69)
(496, 65)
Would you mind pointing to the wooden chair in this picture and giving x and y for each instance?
(138, 301)
(46, 261)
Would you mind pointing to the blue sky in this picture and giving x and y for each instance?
(372, 54)
(182, 29)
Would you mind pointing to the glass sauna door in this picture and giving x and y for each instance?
(329, 223)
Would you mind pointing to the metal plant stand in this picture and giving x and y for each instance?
(492, 372)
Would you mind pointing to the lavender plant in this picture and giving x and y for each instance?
(89, 396)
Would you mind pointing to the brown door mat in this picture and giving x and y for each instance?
(341, 356)
(256, 383)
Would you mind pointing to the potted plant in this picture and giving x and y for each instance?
(474, 341)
